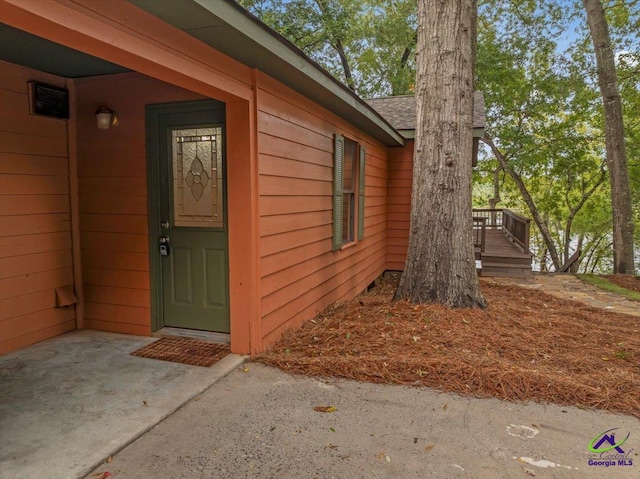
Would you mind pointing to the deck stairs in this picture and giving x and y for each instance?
(501, 238)
(502, 257)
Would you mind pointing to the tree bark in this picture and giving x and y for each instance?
(440, 265)
(614, 139)
(346, 68)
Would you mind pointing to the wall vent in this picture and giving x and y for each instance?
(48, 100)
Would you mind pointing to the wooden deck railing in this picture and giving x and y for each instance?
(479, 232)
(493, 217)
(516, 226)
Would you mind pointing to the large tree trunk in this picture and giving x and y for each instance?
(614, 139)
(440, 265)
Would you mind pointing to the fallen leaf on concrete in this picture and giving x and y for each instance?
(325, 408)
(429, 447)
(444, 408)
(332, 429)
(109, 459)
(380, 455)
(144, 403)
(245, 369)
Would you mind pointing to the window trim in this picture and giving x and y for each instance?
(339, 192)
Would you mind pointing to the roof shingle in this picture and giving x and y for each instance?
(400, 111)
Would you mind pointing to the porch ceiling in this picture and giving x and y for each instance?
(22, 48)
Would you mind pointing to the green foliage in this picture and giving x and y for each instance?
(369, 45)
(545, 113)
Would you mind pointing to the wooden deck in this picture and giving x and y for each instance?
(502, 257)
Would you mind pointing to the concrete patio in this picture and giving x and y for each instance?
(68, 403)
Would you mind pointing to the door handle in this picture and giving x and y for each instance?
(164, 245)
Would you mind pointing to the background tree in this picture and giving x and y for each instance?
(367, 44)
(545, 121)
(614, 138)
(440, 265)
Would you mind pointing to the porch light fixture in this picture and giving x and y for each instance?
(106, 118)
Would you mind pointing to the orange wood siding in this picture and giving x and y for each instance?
(35, 221)
(113, 200)
(400, 178)
(300, 274)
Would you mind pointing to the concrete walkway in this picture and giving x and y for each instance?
(567, 286)
(68, 403)
(262, 424)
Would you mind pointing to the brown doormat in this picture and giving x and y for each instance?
(184, 350)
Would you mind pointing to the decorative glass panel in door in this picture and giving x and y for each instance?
(197, 177)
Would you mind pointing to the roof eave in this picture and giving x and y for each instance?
(248, 40)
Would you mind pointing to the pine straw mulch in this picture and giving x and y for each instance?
(526, 346)
(627, 281)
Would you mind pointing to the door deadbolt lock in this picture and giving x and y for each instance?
(164, 245)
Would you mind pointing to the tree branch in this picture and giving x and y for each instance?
(542, 225)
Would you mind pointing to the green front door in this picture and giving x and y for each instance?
(192, 225)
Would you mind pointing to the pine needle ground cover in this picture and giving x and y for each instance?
(526, 346)
(626, 281)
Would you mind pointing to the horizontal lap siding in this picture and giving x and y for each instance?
(35, 220)
(300, 273)
(112, 175)
(400, 178)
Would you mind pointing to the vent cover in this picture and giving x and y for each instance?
(48, 100)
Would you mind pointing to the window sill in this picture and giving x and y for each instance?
(351, 244)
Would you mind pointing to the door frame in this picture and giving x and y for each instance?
(152, 123)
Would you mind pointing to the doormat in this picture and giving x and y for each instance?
(184, 350)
